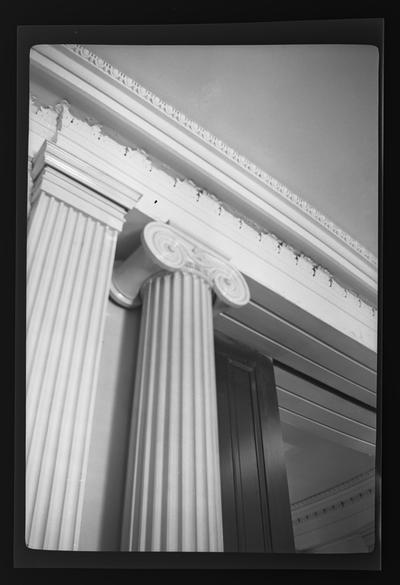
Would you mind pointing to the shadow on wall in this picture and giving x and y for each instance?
(102, 509)
(110, 534)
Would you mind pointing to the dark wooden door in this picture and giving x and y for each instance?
(255, 496)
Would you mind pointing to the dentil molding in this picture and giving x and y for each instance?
(222, 148)
(334, 499)
(330, 515)
(336, 496)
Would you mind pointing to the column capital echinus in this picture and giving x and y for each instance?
(168, 249)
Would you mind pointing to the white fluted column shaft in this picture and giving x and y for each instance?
(173, 493)
(173, 490)
(70, 254)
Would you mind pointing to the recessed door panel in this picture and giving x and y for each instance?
(255, 498)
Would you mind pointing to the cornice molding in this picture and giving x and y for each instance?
(55, 68)
(69, 127)
(72, 193)
(334, 499)
(222, 148)
(93, 177)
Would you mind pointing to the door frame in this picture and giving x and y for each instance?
(272, 476)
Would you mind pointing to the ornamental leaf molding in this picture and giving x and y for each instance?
(222, 148)
(62, 120)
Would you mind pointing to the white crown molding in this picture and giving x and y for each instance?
(94, 178)
(327, 328)
(211, 140)
(130, 178)
(79, 75)
(335, 496)
(66, 189)
(79, 137)
(335, 513)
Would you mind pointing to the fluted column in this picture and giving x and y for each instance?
(173, 491)
(72, 235)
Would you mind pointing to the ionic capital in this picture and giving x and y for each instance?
(165, 248)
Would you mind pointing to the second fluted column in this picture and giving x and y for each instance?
(173, 490)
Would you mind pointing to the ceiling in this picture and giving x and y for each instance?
(307, 115)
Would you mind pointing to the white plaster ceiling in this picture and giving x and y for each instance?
(307, 115)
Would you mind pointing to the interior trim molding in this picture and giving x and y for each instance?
(211, 140)
(102, 95)
(337, 489)
(303, 296)
(66, 124)
(324, 517)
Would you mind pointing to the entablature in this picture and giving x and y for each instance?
(121, 103)
(304, 295)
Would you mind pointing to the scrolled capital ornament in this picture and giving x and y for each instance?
(172, 250)
(168, 249)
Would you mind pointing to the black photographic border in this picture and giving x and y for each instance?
(300, 30)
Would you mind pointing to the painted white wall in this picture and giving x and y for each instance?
(102, 508)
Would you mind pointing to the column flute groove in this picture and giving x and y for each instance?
(40, 226)
(130, 519)
(161, 519)
(106, 271)
(173, 493)
(47, 366)
(54, 303)
(149, 422)
(58, 412)
(41, 436)
(173, 487)
(70, 260)
(50, 243)
(49, 432)
(79, 408)
(35, 229)
(161, 420)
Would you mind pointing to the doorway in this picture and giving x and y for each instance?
(255, 496)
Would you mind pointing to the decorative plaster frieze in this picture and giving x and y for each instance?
(336, 498)
(42, 125)
(220, 146)
(267, 243)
